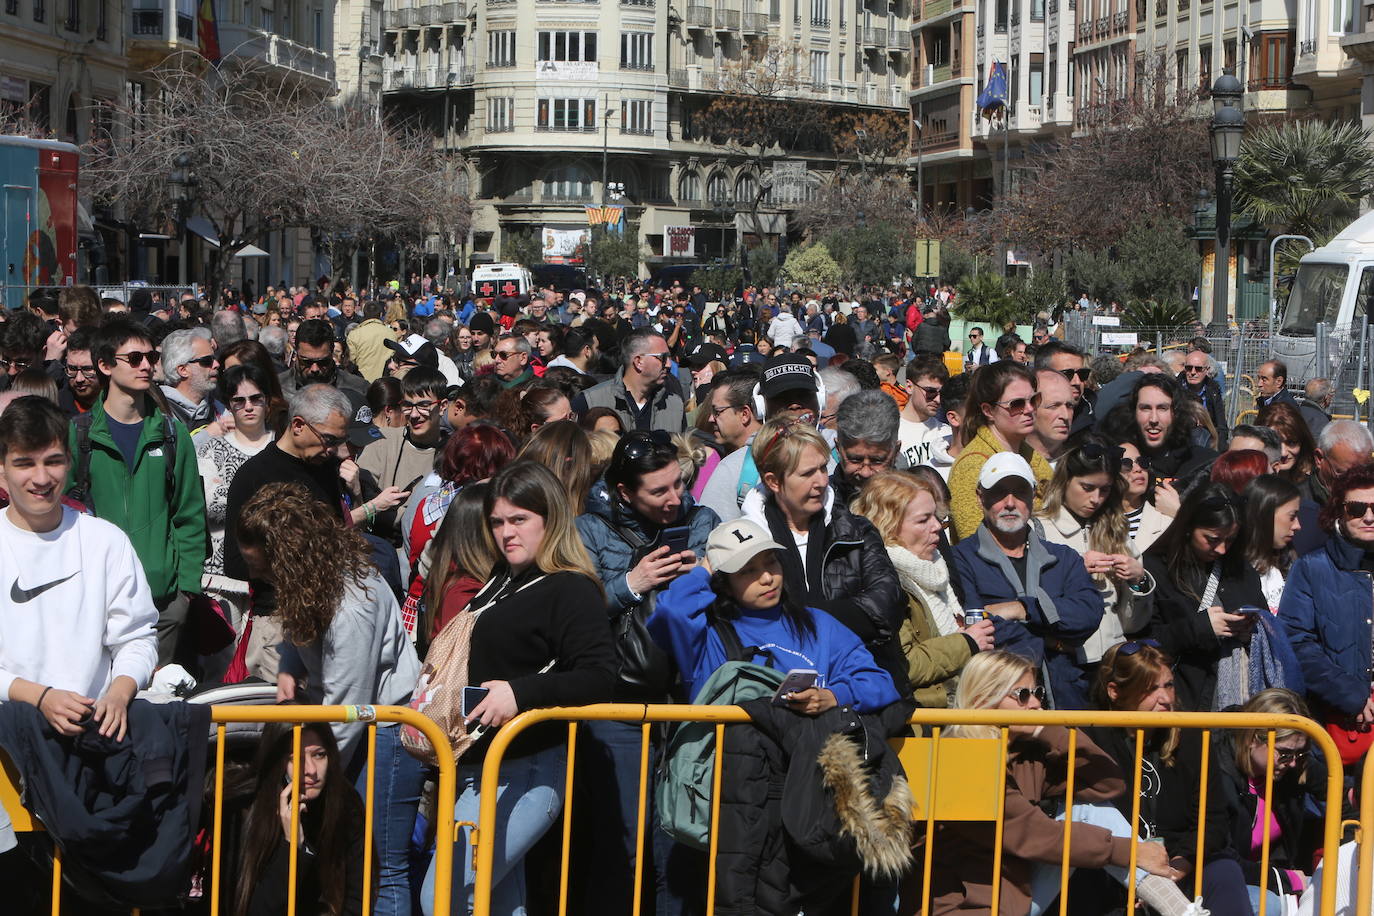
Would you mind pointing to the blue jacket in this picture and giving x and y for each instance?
(1047, 635)
(843, 665)
(1327, 605)
(612, 554)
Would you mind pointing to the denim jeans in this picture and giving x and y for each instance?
(1045, 877)
(528, 800)
(396, 785)
(1275, 905)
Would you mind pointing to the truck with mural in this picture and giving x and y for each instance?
(38, 216)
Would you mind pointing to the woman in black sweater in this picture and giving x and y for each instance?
(541, 640)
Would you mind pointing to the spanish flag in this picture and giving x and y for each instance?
(207, 31)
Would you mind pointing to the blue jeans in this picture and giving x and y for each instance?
(396, 785)
(1045, 877)
(1275, 905)
(528, 801)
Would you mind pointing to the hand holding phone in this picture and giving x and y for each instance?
(797, 680)
(472, 698)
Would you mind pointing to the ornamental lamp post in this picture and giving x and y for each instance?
(1227, 130)
(181, 184)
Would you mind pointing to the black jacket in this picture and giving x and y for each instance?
(930, 337)
(849, 576)
(1210, 396)
(758, 867)
(1186, 634)
(124, 814)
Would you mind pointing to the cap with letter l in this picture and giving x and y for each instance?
(733, 544)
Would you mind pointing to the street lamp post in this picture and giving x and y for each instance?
(181, 188)
(1227, 129)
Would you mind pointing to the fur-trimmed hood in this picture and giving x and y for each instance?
(879, 827)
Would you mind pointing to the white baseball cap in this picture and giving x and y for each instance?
(733, 544)
(1003, 465)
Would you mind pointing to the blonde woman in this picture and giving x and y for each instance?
(1032, 838)
(832, 559)
(1082, 509)
(905, 510)
(542, 640)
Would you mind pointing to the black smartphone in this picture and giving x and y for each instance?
(472, 698)
(676, 539)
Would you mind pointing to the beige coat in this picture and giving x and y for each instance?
(1122, 614)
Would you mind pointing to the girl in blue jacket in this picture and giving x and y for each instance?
(746, 589)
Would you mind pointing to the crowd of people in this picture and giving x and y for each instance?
(647, 497)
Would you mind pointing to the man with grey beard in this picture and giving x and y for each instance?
(1039, 595)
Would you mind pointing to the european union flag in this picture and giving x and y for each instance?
(994, 94)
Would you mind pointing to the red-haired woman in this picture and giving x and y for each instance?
(1236, 469)
(476, 452)
(1327, 605)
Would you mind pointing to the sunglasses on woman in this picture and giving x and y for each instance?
(1355, 509)
(1130, 464)
(1131, 648)
(1023, 695)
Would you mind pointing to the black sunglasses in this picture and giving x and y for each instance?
(1130, 464)
(1355, 509)
(135, 358)
(640, 443)
(1095, 452)
(1081, 374)
(205, 361)
(1131, 648)
(322, 362)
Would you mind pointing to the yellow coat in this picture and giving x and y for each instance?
(965, 511)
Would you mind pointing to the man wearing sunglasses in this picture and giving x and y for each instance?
(512, 354)
(922, 433)
(1197, 382)
(641, 392)
(315, 365)
(1072, 363)
(977, 353)
(1043, 603)
(190, 372)
(135, 466)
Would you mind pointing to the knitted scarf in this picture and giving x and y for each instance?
(928, 580)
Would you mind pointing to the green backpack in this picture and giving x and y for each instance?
(683, 793)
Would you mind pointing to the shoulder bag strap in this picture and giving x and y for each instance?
(1209, 594)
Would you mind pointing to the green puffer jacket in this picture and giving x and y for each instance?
(932, 661)
(170, 540)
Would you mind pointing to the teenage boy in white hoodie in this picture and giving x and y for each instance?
(76, 615)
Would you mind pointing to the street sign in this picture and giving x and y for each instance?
(1107, 321)
(1119, 339)
(927, 257)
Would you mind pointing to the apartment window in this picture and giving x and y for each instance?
(266, 22)
(636, 116)
(72, 21)
(820, 69)
(567, 46)
(102, 20)
(501, 49)
(567, 114)
(775, 10)
(1037, 83)
(746, 189)
(637, 51)
(1228, 50)
(1002, 14)
(689, 187)
(500, 115)
(317, 29)
(1271, 62)
(1342, 16)
(39, 11)
(718, 188)
(820, 13)
(569, 182)
(1037, 10)
(12, 7)
(1181, 72)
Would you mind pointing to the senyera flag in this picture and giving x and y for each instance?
(207, 31)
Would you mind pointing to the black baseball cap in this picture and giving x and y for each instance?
(703, 353)
(787, 372)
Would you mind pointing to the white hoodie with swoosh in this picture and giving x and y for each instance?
(75, 610)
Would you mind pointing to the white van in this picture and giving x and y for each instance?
(493, 281)
(1334, 285)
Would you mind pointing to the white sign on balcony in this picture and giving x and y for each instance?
(563, 243)
(565, 70)
(679, 241)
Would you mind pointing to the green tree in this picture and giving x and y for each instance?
(985, 298)
(1094, 273)
(1170, 316)
(875, 254)
(613, 254)
(521, 246)
(1041, 291)
(956, 263)
(1305, 177)
(1158, 261)
(763, 265)
(811, 268)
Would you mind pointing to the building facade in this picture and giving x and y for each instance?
(549, 107)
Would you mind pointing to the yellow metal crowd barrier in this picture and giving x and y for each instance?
(370, 716)
(940, 771)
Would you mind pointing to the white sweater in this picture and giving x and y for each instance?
(75, 610)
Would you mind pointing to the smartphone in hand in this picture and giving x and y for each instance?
(797, 680)
(472, 698)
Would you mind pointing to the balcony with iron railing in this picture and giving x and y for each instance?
(873, 37)
(698, 17)
(932, 8)
(636, 2)
(727, 20)
(566, 128)
(637, 131)
(453, 11)
(677, 79)
(936, 141)
(820, 22)
(151, 21)
(754, 23)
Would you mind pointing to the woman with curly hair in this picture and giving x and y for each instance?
(344, 645)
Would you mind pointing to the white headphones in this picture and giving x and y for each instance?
(760, 410)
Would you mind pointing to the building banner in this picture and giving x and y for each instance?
(679, 241)
(563, 243)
